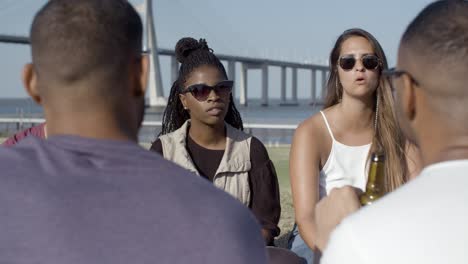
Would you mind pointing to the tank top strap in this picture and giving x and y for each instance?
(328, 126)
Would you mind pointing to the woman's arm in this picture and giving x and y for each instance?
(315, 219)
(265, 195)
(156, 146)
(304, 162)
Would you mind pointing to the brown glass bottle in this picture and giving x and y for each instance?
(375, 182)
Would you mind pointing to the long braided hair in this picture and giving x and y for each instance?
(193, 54)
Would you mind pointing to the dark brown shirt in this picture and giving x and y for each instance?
(263, 182)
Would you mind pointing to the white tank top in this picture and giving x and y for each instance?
(346, 165)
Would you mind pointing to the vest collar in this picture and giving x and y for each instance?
(233, 159)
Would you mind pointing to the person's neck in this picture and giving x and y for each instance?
(208, 136)
(356, 114)
(96, 125)
(446, 149)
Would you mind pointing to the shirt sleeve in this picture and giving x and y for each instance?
(265, 200)
(9, 142)
(36, 131)
(157, 146)
(342, 247)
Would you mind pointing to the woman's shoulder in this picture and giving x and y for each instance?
(167, 139)
(257, 146)
(156, 146)
(313, 132)
(175, 136)
(258, 153)
(314, 126)
(237, 134)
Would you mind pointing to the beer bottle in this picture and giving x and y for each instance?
(375, 181)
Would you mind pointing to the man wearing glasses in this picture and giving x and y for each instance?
(425, 221)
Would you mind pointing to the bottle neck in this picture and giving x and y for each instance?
(375, 181)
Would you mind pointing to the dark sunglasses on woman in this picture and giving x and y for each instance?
(370, 62)
(201, 91)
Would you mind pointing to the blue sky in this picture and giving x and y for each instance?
(295, 30)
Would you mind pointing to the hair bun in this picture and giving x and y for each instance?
(186, 46)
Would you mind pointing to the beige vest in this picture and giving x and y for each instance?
(232, 175)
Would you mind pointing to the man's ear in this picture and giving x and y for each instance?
(142, 72)
(29, 78)
(408, 98)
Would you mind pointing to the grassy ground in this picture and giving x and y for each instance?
(280, 157)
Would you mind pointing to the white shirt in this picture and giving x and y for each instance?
(424, 221)
(346, 165)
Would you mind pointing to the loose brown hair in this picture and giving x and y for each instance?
(388, 137)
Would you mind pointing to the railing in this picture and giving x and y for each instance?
(19, 122)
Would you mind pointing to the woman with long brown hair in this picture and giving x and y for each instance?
(331, 148)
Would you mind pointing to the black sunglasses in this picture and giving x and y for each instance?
(202, 91)
(370, 62)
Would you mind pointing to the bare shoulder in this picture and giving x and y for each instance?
(311, 130)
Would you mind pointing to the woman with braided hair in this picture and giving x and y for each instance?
(202, 131)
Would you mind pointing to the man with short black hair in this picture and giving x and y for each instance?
(425, 221)
(90, 194)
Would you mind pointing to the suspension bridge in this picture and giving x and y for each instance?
(318, 73)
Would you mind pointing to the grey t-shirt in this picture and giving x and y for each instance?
(76, 200)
